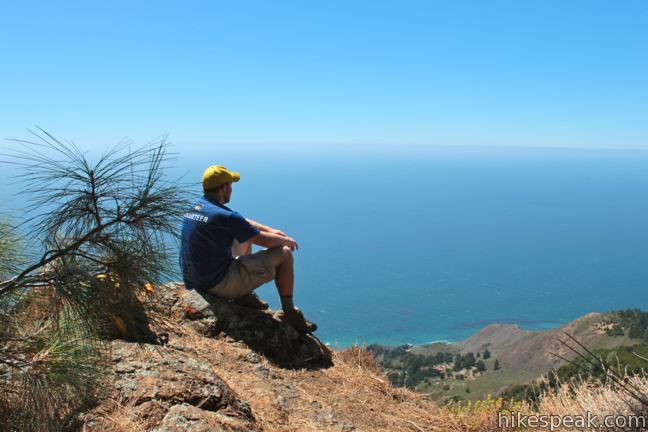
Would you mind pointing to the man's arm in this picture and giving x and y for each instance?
(269, 239)
(265, 228)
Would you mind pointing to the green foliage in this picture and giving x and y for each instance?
(527, 392)
(395, 378)
(622, 361)
(610, 366)
(464, 361)
(8, 250)
(65, 367)
(410, 370)
(486, 355)
(105, 230)
(630, 322)
(389, 354)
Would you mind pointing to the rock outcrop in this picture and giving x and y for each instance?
(214, 317)
(220, 367)
(172, 390)
(173, 386)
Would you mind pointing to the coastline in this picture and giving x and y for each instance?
(342, 343)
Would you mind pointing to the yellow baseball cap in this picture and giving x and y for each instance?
(217, 175)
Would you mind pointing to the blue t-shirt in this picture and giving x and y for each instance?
(208, 231)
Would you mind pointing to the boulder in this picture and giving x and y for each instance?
(215, 317)
(171, 377)
(162, 385)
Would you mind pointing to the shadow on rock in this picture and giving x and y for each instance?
(277, 341)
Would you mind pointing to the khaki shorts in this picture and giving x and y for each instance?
(245, 274)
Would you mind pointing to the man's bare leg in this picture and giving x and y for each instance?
(282, 258)
(240, 249)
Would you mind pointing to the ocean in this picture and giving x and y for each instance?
(415, 245)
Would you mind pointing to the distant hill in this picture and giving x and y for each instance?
(521, 356)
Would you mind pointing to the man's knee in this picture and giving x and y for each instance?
(281, 255)
(287, 253)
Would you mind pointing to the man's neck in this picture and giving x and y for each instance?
(215, 197)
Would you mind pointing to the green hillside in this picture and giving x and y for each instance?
(504, 359)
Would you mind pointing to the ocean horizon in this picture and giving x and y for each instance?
(416, 246)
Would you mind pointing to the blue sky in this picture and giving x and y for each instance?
(311, 74)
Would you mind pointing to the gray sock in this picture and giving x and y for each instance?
(287, 303)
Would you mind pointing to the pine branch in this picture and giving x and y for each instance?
(103, 228)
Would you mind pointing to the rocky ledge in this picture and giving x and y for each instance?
(214, 317)
(173, 385)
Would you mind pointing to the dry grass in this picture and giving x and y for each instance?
(119, 416)
(361, 358)
(600, 400)
(354, 393)
(357, 393)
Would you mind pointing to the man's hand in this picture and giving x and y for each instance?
(271, 239)
(290, 242)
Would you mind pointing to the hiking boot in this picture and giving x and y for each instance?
(251, 301)
(295, 318)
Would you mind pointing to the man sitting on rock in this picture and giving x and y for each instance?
(216, 251)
